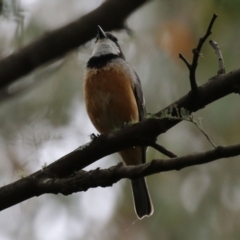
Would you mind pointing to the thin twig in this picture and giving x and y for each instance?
(185, 61)
(190, 118)
(196, 53)
(163, 150)
(221, 67)
(207, 34)
(200, 127)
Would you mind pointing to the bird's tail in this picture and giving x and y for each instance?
(142, 200)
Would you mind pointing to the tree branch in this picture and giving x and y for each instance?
(162, 150)
(140, 134)
(58, 42)
(196, 51)
(82, 181)
(221, 67)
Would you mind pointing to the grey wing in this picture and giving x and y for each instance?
(138, 93)
(141, 107)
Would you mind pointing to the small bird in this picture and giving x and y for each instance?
(113, 97)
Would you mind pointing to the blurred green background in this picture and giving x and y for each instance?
(43, 118)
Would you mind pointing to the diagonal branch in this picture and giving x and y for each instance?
(55, 44)
(83, 180)
(140, 134)
(162, 150)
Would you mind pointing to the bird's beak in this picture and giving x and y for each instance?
(101, 33)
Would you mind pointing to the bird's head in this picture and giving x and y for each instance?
(106, 44)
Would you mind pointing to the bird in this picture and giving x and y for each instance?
(113, 97)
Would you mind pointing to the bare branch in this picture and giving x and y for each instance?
(185, 61)
(55, 44)
(83, 180)
(221, 67)
(196, 51)
(200, 127)
(162, 150)
(190, 118)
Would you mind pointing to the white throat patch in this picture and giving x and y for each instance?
(105, 46)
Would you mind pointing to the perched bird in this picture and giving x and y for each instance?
(113, 97)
